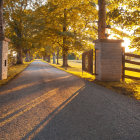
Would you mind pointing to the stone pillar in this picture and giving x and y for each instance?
(3, 58)
(108, 59)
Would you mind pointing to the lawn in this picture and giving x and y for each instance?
(136, 74)
(129, 87)
(13, 71)
(75, 67)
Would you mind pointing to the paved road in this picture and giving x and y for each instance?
(44, 103)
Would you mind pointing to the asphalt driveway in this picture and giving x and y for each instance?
(44, 103)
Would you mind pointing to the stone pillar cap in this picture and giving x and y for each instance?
(108, 41)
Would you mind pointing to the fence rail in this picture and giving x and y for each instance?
(124, 60)
(132, 69)
(132, 55)
(132, 77)
(132, 62)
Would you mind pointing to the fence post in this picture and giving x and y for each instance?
(95, 63)
(123, 64)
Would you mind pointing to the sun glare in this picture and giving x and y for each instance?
(126, 44)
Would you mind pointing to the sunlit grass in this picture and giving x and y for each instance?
(75, 68)
(135, 85)
(129, 87)
(135, 74)
(13, 71)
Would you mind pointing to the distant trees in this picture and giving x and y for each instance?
(19, 26)
(15, 18)
(68, 25)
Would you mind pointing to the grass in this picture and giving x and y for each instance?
(136, 74)
(129, 87)
(75, 67)
(14, 71)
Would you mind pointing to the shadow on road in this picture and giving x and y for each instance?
(86, 115)
(52, 115)
(30, 92)
(50, 106)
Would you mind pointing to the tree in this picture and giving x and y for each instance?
(1, 20)
(68, 24)
(101, 19)
(20, 26)
(125, 16)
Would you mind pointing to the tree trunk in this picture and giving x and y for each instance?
(1, 20)
(58, 56)
(27, 57)
(101, 19)
(65, 49)
(49, 59)
(31, 57)
(54, 57)
(45, 56)
(65, 60)
(19, 57)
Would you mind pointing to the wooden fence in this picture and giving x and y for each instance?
(87, 61)
(124, 68)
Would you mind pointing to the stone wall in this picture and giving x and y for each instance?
(108, 60)
(3, 59)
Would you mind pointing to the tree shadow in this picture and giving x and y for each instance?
(52, 114)
(30, 76)
(86, 115)
(36, 89)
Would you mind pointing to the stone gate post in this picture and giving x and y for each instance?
(108, 59)
(3, 58)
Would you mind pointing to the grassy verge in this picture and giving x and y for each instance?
(129, 87)
(13, 71)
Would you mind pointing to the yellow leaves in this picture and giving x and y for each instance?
(68, 4)
(42, 49)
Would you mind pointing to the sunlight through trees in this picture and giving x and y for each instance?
(70, 26)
